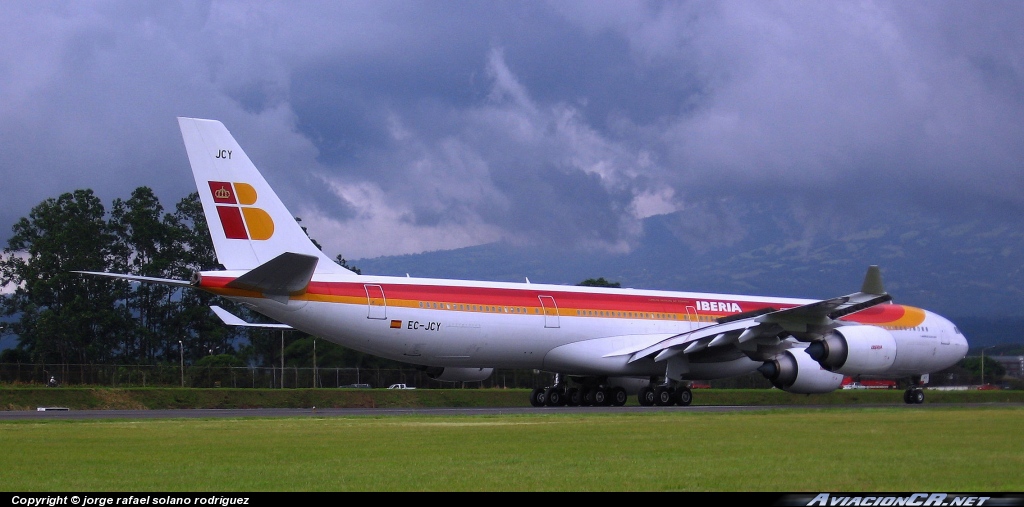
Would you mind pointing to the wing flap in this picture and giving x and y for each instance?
(703, 336)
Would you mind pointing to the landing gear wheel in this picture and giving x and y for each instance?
(618, 396)
(537, 397)
(554, 397)
(572, 397)
(586, 396)
(913, 396)
(684, 397)
(646, 396)
(663, 396)
(600, 397)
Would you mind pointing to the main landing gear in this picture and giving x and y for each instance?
(664, 395)
(589, 394)
(597, 393)
(914, 395)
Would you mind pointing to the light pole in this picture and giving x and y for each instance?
(181, 357)
(983, 364)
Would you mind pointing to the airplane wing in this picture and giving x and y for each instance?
(769, 327)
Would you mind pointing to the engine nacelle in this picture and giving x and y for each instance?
(459, 374)
(855, 350)
(794, 371)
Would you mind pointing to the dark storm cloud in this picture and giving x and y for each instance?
(397, 127)
(852, 101)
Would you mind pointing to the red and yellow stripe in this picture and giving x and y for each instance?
(569, 303)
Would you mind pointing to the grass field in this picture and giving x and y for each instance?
(897, 449)
(98, 398)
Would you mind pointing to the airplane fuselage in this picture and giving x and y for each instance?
(569, 329)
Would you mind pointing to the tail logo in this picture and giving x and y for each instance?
(239, 218)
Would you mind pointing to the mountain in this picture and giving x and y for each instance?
(969, 271)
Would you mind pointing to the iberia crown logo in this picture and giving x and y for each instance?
(239, 218)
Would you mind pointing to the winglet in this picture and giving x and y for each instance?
(871, 293)
(873, 281)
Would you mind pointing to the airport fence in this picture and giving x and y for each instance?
(174, 375)
(124, 376)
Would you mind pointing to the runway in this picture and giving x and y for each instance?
(56, 413)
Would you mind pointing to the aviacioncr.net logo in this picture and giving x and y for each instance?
(239, 218)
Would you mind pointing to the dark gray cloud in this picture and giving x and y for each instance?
(397, 127)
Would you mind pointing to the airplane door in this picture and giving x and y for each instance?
(550, 310)
(691, 315)
(377, 303)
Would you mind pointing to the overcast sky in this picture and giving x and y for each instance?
(394, 127)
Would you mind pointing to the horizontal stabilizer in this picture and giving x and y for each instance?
(286, 275)
(137, 278)
(232, 320)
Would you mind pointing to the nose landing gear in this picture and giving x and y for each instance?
(914, 395)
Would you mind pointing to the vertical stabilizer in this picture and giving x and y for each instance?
(248, 222)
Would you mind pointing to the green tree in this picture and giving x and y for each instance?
(193, 322)
(299, 352)
(317, 245)
(220, 370)
(64, 317)
(598, 282)
(168, 245)
(343, 263)
(994, 370)
(144, 243)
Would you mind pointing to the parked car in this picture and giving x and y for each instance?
(400, 386)
(357, 386)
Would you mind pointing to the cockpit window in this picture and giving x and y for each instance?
(957, 330)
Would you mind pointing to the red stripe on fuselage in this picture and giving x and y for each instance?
(504, 297)
(879, 314)
(492, 296)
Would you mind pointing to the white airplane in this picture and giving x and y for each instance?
(602, 344)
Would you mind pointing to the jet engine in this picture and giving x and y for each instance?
(855, 350)
(794, 371)
(459, 374)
